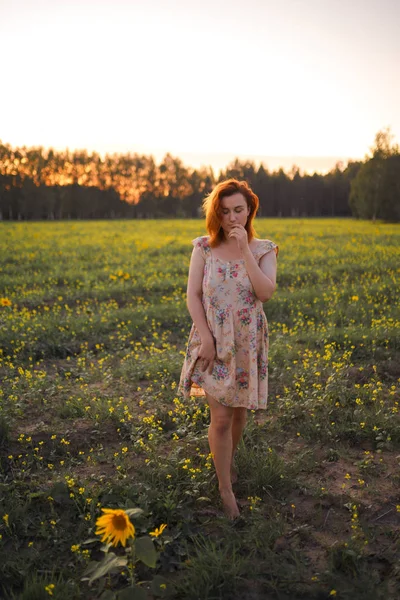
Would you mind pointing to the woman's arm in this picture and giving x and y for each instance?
(195, 293)
(262, 276)
(196, 310)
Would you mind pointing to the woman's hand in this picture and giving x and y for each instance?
(207, 354)
(240, 234)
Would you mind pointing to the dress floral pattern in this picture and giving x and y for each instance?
(238, 323)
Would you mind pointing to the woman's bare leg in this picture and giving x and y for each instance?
(238, 424)
(220, 440)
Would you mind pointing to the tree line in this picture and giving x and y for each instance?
(38, 183)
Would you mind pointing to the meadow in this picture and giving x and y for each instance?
(93, 331)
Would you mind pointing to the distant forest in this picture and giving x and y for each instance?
(40, 184)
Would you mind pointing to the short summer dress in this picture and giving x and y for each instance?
(236, 319)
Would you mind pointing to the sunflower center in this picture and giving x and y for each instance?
(119, 522)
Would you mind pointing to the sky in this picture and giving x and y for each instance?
(304, 82)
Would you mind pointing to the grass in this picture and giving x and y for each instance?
(93, 330)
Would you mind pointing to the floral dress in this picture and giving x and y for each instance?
(236, 318)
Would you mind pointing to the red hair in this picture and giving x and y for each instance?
(212, 208)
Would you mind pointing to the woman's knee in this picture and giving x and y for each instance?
(221, 416)
(240, 414)
(221, 424)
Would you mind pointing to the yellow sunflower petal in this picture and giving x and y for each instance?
(114, 526)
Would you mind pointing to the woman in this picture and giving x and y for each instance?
(231, 274)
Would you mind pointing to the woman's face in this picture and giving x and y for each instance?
(233, 211)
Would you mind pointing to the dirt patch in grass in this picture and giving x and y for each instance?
(385, 514)
(381, 476)
(95, 471)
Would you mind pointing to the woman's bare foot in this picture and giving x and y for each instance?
(230, 505)
(234, 475)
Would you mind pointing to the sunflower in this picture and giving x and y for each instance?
(114, 526)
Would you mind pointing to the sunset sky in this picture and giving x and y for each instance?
(205, 80)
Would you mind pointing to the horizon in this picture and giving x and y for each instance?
(219, 161)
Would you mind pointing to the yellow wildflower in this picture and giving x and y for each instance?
(49, 588)
(158, 531)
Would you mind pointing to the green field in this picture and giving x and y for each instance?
(93, 331)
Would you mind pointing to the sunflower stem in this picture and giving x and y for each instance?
(131, 563)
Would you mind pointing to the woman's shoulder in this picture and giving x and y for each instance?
(202, 242)
(263, 241)
(263, 246)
